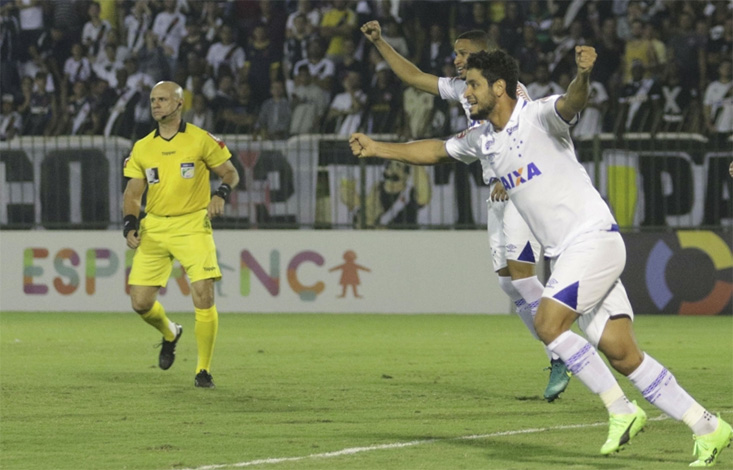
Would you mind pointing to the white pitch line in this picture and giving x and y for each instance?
(399, 445)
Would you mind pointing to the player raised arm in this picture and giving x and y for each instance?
(419, 152)
(403, 68)
(575, 98)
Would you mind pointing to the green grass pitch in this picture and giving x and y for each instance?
(363, 392)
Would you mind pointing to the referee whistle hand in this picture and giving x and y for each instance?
(216, 207)
(133, 239)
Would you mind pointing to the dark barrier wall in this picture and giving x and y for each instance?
(686, 272)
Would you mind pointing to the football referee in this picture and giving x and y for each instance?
(173, 164)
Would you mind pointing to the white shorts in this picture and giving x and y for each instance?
(509, 235)
(586, 278)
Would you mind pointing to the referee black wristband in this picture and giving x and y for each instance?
(129, 224)
(224, 191)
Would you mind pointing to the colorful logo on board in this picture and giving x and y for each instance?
(658, 275)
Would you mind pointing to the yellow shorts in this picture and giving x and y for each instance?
(186, 238)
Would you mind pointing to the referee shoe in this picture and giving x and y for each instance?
(168, 350)
(204, 380)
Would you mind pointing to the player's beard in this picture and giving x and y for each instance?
(483, 111)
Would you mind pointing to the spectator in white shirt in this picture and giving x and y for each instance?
(309, 102)
(543, 86)
(170, 27)
(225, 54)
(346, 108)
(106, 66)
(94, 33)
(136, 24)
(77, 67)
(718, 101)
(321, 68)
(11, 122)
(312, 15)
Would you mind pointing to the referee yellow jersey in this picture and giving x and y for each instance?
(177, 170)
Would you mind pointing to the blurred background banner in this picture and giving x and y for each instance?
(686, 272)
(670, 180)
(74, 182)
(263, 271)
(312, 181)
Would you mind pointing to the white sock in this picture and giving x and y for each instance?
(525, 310)
(616, 402)
(172, 327)
(530, 289)
(505, 282)
(659, 387)
(584, 362)
(700, 420)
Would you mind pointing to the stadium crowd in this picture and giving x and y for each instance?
(274, 69)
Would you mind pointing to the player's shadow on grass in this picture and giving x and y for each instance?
(561, 457)
(501, 453)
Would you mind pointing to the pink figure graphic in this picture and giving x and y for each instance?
(349, 274)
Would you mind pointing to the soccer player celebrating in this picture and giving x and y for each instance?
(173, 164)
(528, 145)
(515, 266)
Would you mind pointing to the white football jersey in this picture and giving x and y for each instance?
(534, 158)
(452, 89)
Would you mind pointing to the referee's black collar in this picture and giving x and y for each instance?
(181, 128)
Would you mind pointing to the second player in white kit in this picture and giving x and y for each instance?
(514, 248)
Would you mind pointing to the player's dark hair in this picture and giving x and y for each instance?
(496, 65)
(477, 36)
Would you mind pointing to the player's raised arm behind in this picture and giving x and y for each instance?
(403, 68)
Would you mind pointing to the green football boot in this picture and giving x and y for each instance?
(559, 379)
(709, 446)
(622, 428)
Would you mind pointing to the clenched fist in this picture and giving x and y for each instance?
(362, 146)
(372, 30)
(585, 58)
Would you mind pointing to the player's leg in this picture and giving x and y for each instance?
(522, 252)
(151, 268)
(580, 281)
(497, 245)
(525, 309)
(659, 387)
